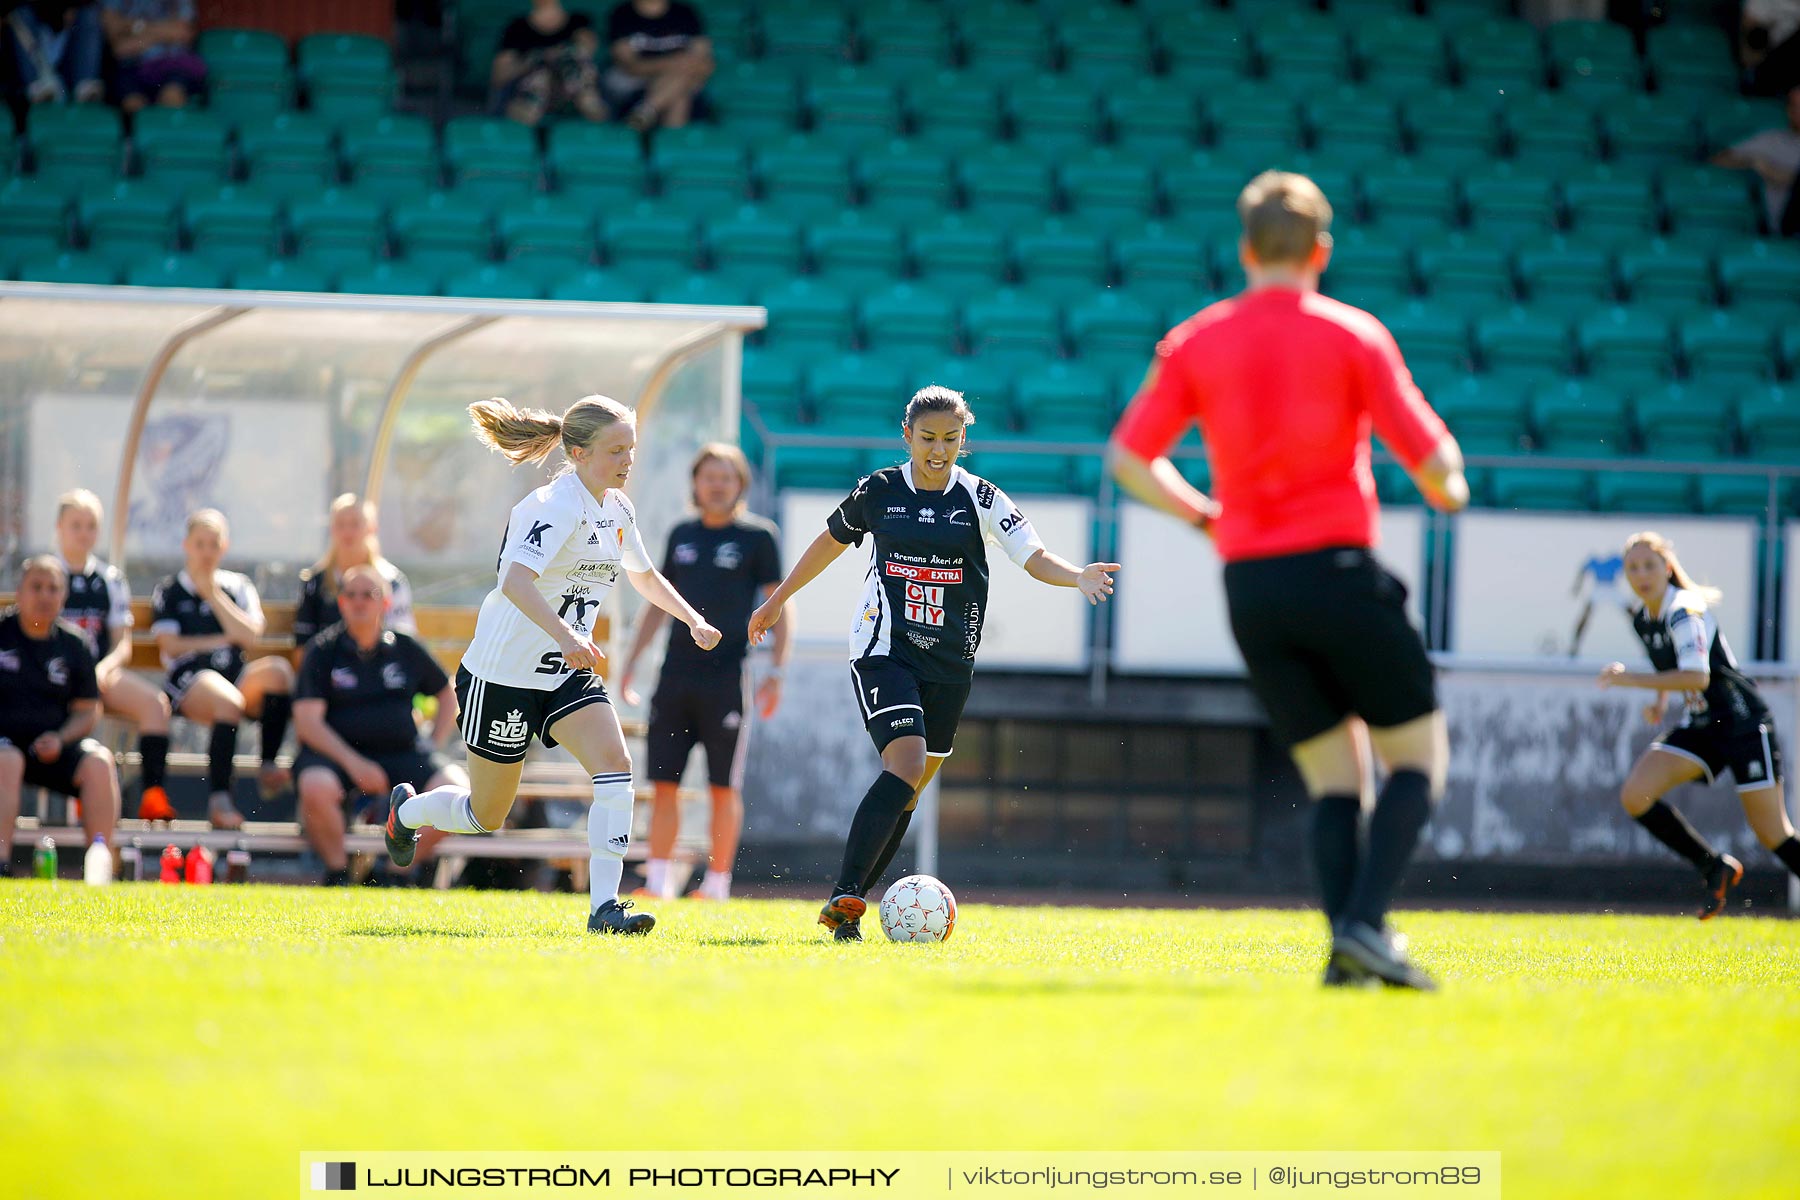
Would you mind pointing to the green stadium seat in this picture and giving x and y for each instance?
(1524, 341)
(1714, 344)
(1562, 491)
(1736, 495)
(1770, 419)
(335, 230)
(808, 314)
(1688, 420)
(1391, 46)
(288, 154)
(247, 73)
(129, 221)
(33, 221)
(907, 182)
(1152, 119)
(492, 157)
(1371, 297)
(281, 275)
(1160, 265)
(1202, 190)
(544, 238)
(1586, 52)
(1008, 42)
(851, 107)
(752, 98)
(1486, 414)
(1008, 183)
(646, 242)
(1013, 326)
(857, 250)
(1203, 42)
(174, 271)
(771, 385)
(1508, 203)
(1760, 273)
(1667, 277)
(1062, 401)
(1788, 346)
(1497, 55)
(1053, 115)
(1690, 58)
(754, 244)
(1400, 196)
(74, 142)
(602, 165)
(986, 386)
(233, 224)
(1109, 45)
(1729, 120)
(1355, 123)
(1431, 336)
(1566, 277)
(802, 32)
(954, 111)
(960, 251)
(914, 38)
(857, 393)
(1114, 323)
(493, 281)
(446, 233)
(390, 279)
(1015, 472)
(1466, 271)
(69, 267)
(702, 166)
(824, 468)
(1548, 134)
(1108, 189)
(1643, 492)
(1060, 259)
(1609, 207)
(906, 319)
(594, 284)
(1255, 119)
(702, 288)
(1709, 201)
(1452, 129)
(223, 48)
(1363, 263)
(181, 148)
(393, 154)
(348, 77)
(1651, 130)
(1626, 344)
(1582, 418)
(804, 179)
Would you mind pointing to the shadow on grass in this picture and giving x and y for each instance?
(736, 941)
(388, 931)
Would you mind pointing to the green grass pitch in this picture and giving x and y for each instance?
(217, 1032)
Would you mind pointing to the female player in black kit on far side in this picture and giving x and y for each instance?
(913, 642)
(1727, 725)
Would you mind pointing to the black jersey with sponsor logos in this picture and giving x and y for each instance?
(39, 678)
(1686, 638)
(722, 573)
(369, 694)
(176, 608)
(98, 600)
(926, 593)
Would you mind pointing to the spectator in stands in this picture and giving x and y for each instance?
(49, 704)
(353, 544)
(204, 620)
(56, 47)
(1773, 154)
(153, 44)
(353, 712)
(661, 58)
(1769, 45)
(99, 604)
(548, 62)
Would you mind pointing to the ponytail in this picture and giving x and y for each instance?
(523, 435)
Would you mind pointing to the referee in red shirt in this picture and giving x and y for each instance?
(1287, 385)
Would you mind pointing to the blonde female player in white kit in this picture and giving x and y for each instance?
(530, 669)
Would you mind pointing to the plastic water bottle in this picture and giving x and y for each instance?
(97, 867)
(43, 861)
(131, 861)
(199, 865)
(171, 864)
(237, 864)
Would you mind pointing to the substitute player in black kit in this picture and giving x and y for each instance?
(1727, 725)
(913, 642)
(353, 714)
(724, 561)
(49, 704)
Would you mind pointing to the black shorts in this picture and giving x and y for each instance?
(1750, 750)
(412, 766)
(498, 722)
(895, 703)
(1325, 635)
(58, 776)
(704, 710)
(181, 675)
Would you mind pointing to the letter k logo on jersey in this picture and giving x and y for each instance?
(536, 536)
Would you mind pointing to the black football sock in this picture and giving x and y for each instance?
(275, 710)
(339, 877)
(1789, 853)
(219, 753)
(1400, 814)
(153, 756)
(873, 824)
(1669, 827)
(887, 854)
(1334, 850)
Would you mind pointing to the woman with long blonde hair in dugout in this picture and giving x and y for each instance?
(351, 541)
(532, 668)
(1727, 724)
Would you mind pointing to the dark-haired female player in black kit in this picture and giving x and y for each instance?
(912, 646)
(1727, 725)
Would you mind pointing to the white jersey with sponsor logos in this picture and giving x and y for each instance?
(577, 545)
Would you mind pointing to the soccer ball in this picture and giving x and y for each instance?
(918, 909)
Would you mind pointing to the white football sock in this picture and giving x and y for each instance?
(656, 877)
(446, 808)
(716, 885)
(609, 836)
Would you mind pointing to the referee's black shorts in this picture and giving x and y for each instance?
(1325, 635)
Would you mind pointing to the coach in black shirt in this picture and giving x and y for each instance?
(49, 703)
(353, 713)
